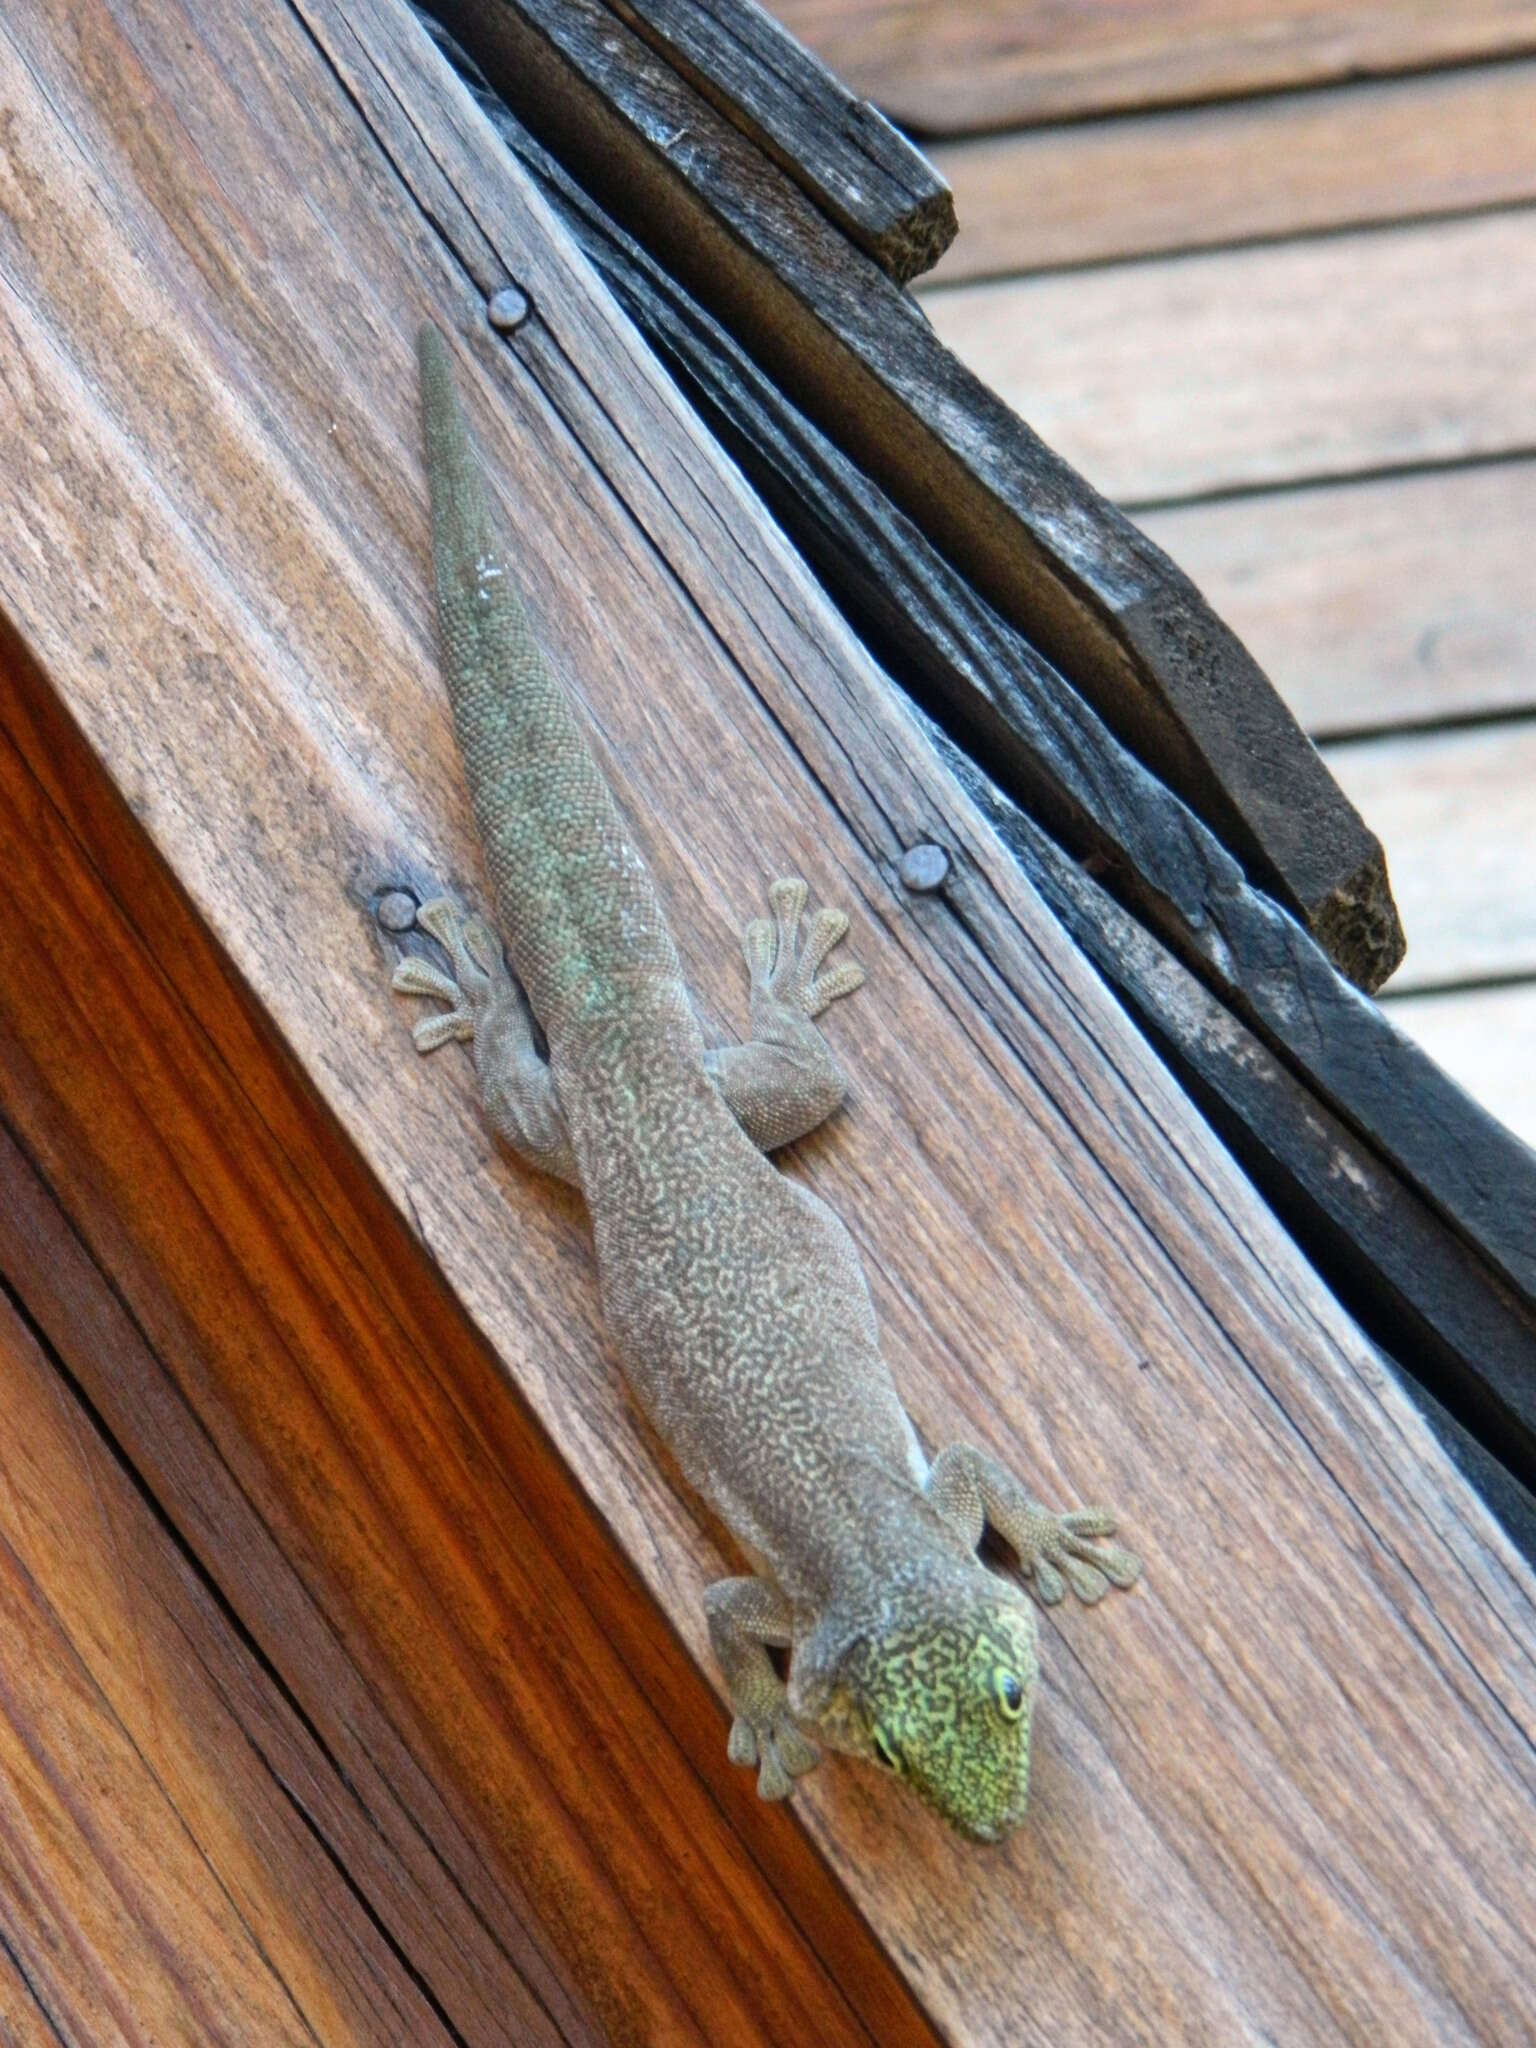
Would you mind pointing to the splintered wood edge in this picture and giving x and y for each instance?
(882, 192)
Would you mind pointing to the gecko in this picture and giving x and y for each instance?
(732, 1294)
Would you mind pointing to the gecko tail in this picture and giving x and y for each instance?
(574, 899)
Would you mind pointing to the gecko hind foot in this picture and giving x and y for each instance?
(785, 965)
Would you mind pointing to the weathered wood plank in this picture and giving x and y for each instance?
(1457, 814)
(1486, 1037)
(236, 422)
(164, 1879)
(1239, 368)
(841, 151)
(962, 65)
(1148, 184)
(1398, 601)
(855, 354)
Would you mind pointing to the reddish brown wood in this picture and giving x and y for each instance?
(341, 1455)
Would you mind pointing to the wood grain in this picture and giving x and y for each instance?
(953, 66)
(1399, 601)
(1041, 744)
(1486, 1037)
(1457, 814)
(1149, 184)
(1239, 368)
(166, 1875)
(1285, 1788)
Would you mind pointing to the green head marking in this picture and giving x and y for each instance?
(944, 1701)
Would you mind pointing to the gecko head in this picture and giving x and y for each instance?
(941, 1696)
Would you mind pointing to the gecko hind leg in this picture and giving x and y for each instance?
(785, 1080)
(487, 1007)
(746, 1617)
(972, 1490)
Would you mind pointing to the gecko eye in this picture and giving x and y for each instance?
(885, 1750)
(1010, 1692)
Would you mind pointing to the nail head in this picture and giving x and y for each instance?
(924, 868)
(396, 911)
(508, 309)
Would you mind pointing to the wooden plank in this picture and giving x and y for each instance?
(856, 355)
(272, 709)
(162, 1880)
(1457, 814)
(957, 66)
(841, 151)
(1397, 601)
(1486, 1037)
(343, 1458)
(1241, 368)
(1245, 171)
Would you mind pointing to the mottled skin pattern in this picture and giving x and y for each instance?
(734, 1295)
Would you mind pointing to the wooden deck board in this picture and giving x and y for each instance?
(1457, 811)
(1237, 369)
(1243, 170)
(1396, 601)
(1065, 1262)
(962, 65)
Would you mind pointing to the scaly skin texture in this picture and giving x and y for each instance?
(734, 1295)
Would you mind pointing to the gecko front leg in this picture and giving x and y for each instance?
(487, 1007)
(746, 1617)
(972, 1490)
(785, 1081)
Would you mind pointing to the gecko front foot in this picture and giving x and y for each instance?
(778, 1749)
(971, 1491)
(745, 1616)
(473, 949)
(785, 968)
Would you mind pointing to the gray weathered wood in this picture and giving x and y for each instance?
(1486, 1038)
(961, 65)
(1457, 813)
(841, 151)
(1402, 600)
(858, 356)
